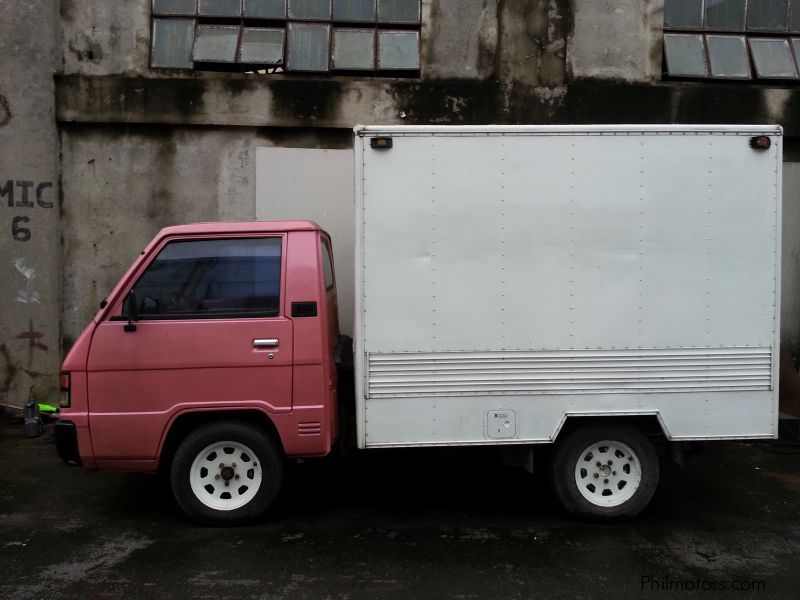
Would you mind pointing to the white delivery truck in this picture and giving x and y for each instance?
(584, 285)
(606, 289)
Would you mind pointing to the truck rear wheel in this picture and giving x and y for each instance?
(226, 473)
(605, 473)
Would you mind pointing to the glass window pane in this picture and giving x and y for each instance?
(398, 11)
(727, 15)
(727, 56)
(683, 14)
(772, 58)
(265, 9)
(308, 46)
(172, 43)
(398, 50)
(796, 50)
(174, 7)
(767, 15)
(310, 9)
(220, 8)
(354, 10)
(794, 16)
(686, 56)
(216, 43)
(223, 278)
(327, 265)
(353, 49)
(263, 46)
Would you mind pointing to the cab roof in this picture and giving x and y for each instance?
(239, 227)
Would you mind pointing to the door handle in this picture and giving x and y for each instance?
(265, 343)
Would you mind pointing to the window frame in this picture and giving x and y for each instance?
(195, 21)
(118, 312)
(325, 244)
(787, 35)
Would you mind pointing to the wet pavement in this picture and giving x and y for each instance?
(402, 524)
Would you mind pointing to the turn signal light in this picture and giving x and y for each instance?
(761, 142)
(63, 383)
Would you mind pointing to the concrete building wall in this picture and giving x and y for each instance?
(123, 184)
(790, 289)
(617, 39)
(29, 202)
(142, 148)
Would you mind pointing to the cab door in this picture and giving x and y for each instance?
(211, 333)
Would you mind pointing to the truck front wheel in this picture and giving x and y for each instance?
(605, 473)
(226, 473)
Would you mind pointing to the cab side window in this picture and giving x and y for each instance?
(212, 279)
(327, 265)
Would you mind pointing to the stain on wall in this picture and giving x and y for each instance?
(5, 111)
(85, 48)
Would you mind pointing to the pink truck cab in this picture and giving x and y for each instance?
(212, 358)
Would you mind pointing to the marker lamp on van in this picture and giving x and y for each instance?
(380, 143)
(63, 384)
(760, 142)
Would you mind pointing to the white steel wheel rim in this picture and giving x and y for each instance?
(608, 473)
(225, 475)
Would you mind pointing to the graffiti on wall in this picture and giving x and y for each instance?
(23, 194)
(27, 295)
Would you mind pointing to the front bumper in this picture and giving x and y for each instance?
(66, 436)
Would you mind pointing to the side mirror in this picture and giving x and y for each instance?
(132, 310)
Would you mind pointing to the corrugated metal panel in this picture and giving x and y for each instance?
(572, 371)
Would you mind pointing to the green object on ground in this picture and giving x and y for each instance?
(47, 408)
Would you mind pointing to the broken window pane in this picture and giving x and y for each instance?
(398, 11)
(794, 16)
(686, 55)
(767, 15)
(354, 49)
(309, 9)
(172, 43)
(772, 58)
(727, 56)
(174, 7)
(398, 50)
(308, 47)
(265, 9)
(261, 46)
(725, 15)
(216, 43)
(683, 14)
(220, 8)
(354, 10)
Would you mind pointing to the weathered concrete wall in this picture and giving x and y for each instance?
(122, 184)
(112, 37)
(283, 101)
(143, 149)
(790, 289)
(536, 42)
(103, 37)
(459, 39)
(29, 201)
(617, 39)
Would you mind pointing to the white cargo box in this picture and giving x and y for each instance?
(508, 278)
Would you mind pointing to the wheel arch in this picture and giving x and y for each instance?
(184, 423)
(650, 423)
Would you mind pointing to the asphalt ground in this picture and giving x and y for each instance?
(402, 524)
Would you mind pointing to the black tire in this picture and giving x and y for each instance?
(243, 439)
(605, 483)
